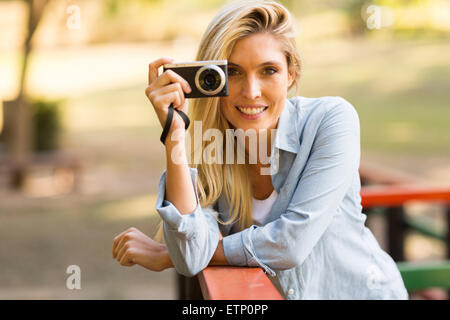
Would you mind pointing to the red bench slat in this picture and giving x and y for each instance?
(398, 195)
(236, 283)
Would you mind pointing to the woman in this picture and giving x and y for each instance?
(302, 223)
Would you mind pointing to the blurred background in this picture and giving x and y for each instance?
(80, 157)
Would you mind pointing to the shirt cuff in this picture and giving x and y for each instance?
(233, 248)
(238, 250)
(183, 225)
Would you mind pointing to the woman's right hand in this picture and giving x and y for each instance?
(164, 89)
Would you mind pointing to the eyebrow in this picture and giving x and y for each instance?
(260, 65)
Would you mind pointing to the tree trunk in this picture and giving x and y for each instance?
(20, 127)
(19, 130)
(18, 117)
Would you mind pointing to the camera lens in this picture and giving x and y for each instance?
(210, 79)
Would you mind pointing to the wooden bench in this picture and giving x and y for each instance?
(14, 174)
(424, 275)
(236, 283)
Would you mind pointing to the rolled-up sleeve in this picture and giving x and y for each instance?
(331, 167)
(191, 238)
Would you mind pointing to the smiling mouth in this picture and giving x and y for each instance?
(251, 111)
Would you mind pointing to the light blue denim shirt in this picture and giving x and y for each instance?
(313, 244)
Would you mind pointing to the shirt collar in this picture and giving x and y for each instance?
(286, 137)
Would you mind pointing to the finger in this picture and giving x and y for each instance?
(174, 87)
(154, 66)
(182, 106)
(167, 99)
(116, 242)
(118, 238)
(126, 260)
(170, 76)
(123, 239)
(122, 251)
(185, 107)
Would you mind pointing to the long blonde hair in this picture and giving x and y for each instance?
(235, 21)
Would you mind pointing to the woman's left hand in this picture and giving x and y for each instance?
(132, 246)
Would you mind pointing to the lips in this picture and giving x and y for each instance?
(251, 110)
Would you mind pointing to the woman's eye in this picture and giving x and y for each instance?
(232, 72)
(270, 71)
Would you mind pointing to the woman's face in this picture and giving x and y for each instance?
(258, 81)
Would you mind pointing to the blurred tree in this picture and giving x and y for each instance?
(19, 126)
(353, 11)
(18, 116)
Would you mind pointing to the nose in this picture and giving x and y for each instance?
(251, 88)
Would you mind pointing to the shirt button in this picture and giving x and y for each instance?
(291, 291)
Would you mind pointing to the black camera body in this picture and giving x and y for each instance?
(206, 78)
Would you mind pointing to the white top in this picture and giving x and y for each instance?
(261, 208)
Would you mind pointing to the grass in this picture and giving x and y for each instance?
(399, 89)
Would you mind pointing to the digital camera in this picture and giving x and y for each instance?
(206, 78)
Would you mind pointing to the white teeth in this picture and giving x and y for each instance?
(251, 111)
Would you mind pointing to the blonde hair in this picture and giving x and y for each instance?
(235, 21)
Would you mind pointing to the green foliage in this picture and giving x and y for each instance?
(46, 124)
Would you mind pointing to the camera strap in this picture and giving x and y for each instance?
(169, 122)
